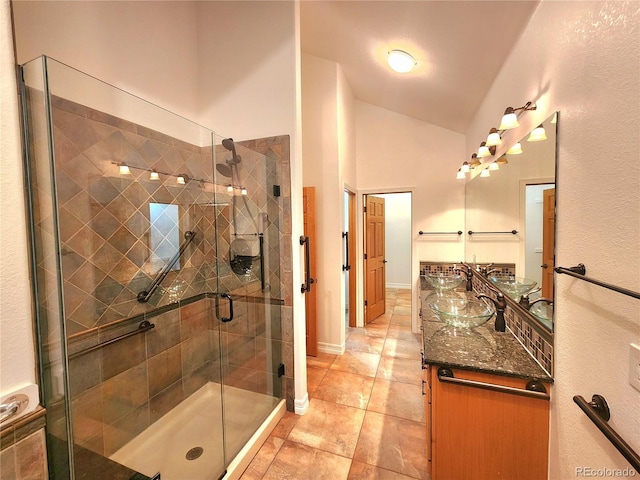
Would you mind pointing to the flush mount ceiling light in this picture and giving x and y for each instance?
(510, 118)
(515, 150)
(485, 173)
(460, 175)
(537, 134)
(494, 138)
(400, 61)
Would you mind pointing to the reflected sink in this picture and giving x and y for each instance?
(513, 286)
(461, 311)
(543, 311)
(444, 281)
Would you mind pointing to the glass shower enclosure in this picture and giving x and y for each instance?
(157, 283)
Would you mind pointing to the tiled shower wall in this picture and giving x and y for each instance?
(518, 324)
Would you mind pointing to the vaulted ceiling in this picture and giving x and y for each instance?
(459, 47)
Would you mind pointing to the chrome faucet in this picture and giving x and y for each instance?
(524, 299)
(501, 306)
(468, 273)
(484, 269)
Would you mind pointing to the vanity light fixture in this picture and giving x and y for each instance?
(485, 173)
(230, 188)
(494, 165)
(460, 175)
(502, 160)
(181, 179)
(474, 161)
(243, 191)
(510, 118)
(516, 149)
(485, 151)
(465, 167)
(154, 175)
(123, 168)
(537, 134)
(494, 138)
(400, 61)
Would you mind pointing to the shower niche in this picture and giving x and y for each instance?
(160, 281)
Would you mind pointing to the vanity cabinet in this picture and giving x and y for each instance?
(484, 434)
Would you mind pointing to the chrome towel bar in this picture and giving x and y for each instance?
(598, 412)
(534, 388)
(459, 232)
(512, 232)
(580, 270)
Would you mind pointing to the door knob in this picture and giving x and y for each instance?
(384, 261)
(544, 265)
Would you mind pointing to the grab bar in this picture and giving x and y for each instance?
(261, 244)
(580, 270)
(512, 232)
(534, 388)
(459, 232)
(145, 295)
(306, 287)
(230, 317)
(143, 327)
(598, 412)
(346, 267)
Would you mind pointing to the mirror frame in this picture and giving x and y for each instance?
(541, 329)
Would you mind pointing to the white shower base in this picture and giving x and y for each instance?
(197, 422)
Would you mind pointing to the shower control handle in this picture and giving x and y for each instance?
(230, 317)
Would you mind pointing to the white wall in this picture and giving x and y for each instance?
(327, 115)
(17, 354)
(397, 238)
(582, 58)
(399, 153)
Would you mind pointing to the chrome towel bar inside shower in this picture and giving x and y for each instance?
(580, 270)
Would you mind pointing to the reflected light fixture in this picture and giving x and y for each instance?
(400, 61)
(460, 175)
(243, 191)
(483, 151)
(516, 149)
(474, 161)
(154, 175)
(485, 173)
(465, 167)
(502, 160)
(494, 165)
(123, 168)
(230, 188)
(181, 179)
(537, 134)
(494, 138)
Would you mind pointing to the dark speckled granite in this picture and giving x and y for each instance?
(480, 349)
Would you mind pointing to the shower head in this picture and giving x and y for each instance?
(230, 145)
(224, 169)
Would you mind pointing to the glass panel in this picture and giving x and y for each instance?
(133, 199)
(248, 219)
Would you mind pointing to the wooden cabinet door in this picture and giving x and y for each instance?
(426, 392)
(486, 435)
(548, 241)
(375, 281)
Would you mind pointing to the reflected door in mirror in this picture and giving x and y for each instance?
(548, 241)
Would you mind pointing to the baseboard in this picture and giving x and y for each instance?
(300, 406)
(331, 348)
(399, 285)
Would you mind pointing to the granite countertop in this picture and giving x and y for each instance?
(480, 349)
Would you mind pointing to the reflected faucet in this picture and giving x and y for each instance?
(524, 299)
(541, 299)
(501, 306)
(499, 270)
(468, 273)
(484, 269)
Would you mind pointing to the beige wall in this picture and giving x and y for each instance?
(582, 59)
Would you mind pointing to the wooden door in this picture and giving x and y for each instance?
(375, 278)
(311, 297)
(352, 249)
(548, 241)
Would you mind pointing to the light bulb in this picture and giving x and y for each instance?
(509, 120)
(124, 169)
(485, 173)
(494, 166)
(538, 134)
(460, 175)
(400, 61)
(515, 150)
(483, 151)
(494, 138)
(154, 175)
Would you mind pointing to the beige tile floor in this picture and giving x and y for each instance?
(366, 411)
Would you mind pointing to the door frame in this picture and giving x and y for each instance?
(359, 258)
(353, 272)
(522, 195)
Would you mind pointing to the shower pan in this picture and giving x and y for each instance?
(158, 358)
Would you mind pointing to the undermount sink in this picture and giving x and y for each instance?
(513, 286)
(543, 311)
(444, 281)
(461, 311)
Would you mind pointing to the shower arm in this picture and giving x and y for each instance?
(145, 295)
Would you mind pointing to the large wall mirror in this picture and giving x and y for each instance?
(520, 197)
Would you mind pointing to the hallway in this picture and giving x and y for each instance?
(366, 413)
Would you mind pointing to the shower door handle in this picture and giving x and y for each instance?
(306, 287)
(346, 267)
(230, 317)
